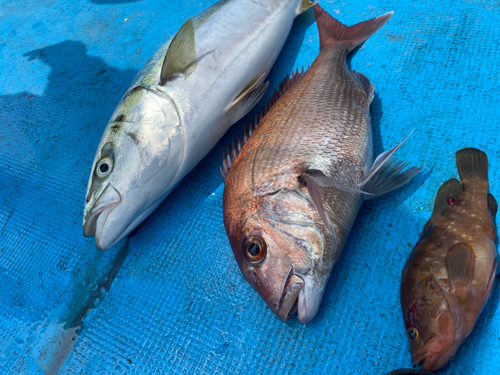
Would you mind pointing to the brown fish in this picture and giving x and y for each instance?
(294, 190)
(447, 279)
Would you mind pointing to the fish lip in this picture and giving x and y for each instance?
(431, 348)
(111, 198)
(290, 297)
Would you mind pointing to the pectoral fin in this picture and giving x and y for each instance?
(386, 174)
(181, 57)
(248, 97)
(460, 262)
(314, 189)
(325, 181)
(315, 180)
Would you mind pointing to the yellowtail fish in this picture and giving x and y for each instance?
(203, 80)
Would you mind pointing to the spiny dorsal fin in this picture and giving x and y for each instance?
(181, 57)
(492, 206)
(233, 150)
(305, 5)
(472, 163)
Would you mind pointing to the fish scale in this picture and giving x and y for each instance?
(292, 194)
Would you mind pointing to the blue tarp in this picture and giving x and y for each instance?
(171, 298)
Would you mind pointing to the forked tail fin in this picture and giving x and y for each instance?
(332, 31)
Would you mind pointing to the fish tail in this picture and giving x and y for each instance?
(332, 31)
(472, 164)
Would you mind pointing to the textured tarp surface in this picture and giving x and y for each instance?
(171, 298)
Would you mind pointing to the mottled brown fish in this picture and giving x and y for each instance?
(448, 277)
(292, 193)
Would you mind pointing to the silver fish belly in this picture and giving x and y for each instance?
(200, 82)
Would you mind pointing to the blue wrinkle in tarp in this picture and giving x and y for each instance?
(171, 298)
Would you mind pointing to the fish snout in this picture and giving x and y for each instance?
(290, 298)
(97, 215)
(430, 355)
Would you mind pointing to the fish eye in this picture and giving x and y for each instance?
(412, 334)
(104, 167)
(255, 250)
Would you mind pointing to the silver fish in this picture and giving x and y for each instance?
(203, 80)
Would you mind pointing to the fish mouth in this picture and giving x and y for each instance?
(428, 355)
(290, 299)
(107, 202)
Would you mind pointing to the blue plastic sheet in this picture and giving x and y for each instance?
(171, 298)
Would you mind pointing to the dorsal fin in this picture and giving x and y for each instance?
(370, 89)
(181, 57)
(492, 206)
(447, 196)
(234, 149)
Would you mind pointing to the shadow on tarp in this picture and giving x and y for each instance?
(46, 153)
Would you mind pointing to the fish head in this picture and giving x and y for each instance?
(435, 326)
(135, 165)
(280, 249)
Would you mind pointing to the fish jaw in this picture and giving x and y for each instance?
(428, 355)
(311, 295)
(435, 354)
(290, 298)
(107, 201)
(302, 294)
(117, 223)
